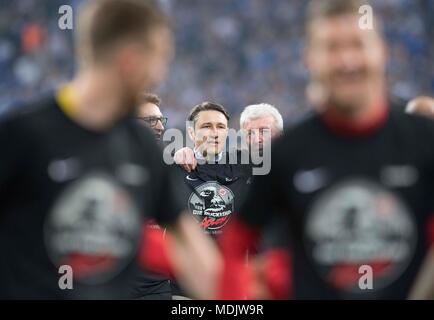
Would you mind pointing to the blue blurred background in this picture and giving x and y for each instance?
(235, 52)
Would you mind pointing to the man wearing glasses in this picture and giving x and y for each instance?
(149, 285)
(149, 112)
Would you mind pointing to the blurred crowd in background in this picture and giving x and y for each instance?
(232, 52)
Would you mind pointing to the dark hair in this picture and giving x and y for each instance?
(104, 23)
(319, 9)
(206, 106)
(151, 98)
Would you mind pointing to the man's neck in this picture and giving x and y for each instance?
(93, 101)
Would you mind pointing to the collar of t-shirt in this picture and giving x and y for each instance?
(343, 127)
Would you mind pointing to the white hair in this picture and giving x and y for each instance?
(256, 111)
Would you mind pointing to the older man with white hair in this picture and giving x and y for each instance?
(259, 122)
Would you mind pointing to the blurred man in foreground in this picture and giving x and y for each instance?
(150, 285)
(78, 178)
(354, 181)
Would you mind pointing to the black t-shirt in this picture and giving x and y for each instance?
(216, 191)
(71, 196)
(355, 206)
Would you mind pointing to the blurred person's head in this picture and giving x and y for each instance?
(346, 63)
(128, 43)
(260, 123)
(422, 105)
(149, 112)
(208, 128)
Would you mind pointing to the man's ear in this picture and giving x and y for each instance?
(191, 134)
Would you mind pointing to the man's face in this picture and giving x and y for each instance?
(143, 65)
(153, 116)
(345, 60)
(260, 131)
(210, 132)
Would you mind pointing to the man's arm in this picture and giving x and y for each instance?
(186, 254)
(423, 287)
(267, 275)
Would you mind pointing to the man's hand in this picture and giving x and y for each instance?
(421, 105)
(186, 159)
(272, 272)
(259, 289)
(423, 287)
(195, 258)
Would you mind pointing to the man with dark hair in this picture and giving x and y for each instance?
(218, 183)
(207, 106)
(150, 285)
(78, 178)
(354, 181)
(150, 113)
(151, 98)
(209, 136)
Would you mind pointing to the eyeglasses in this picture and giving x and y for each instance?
(152, 121)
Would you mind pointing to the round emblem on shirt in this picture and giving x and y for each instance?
(212, 204)
(358, 226)
(93, 227)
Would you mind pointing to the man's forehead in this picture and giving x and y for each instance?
(342, 25)
(263, 122)
(211, 116)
